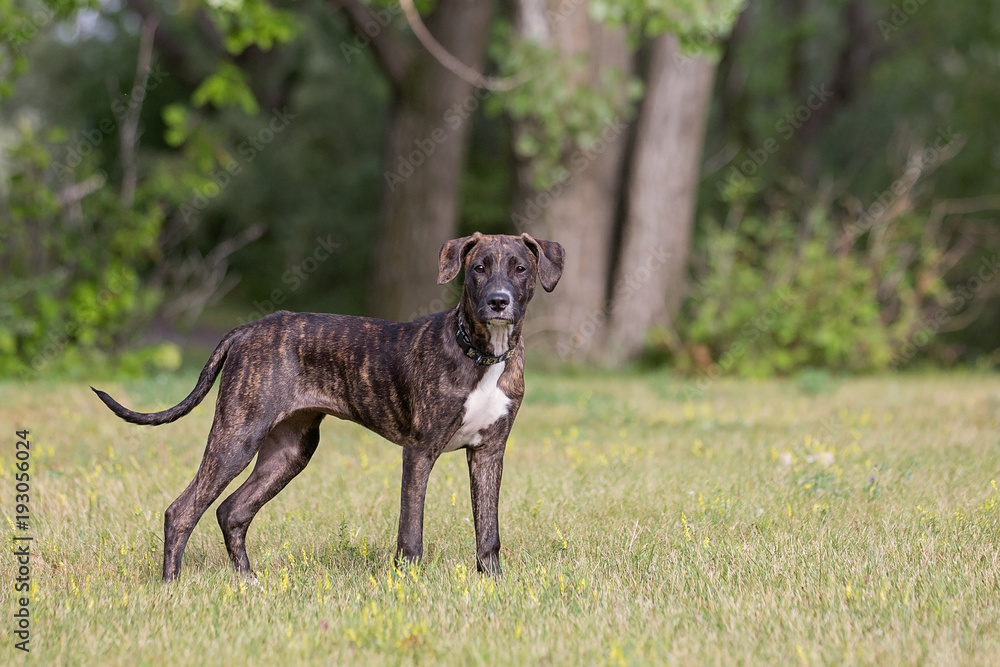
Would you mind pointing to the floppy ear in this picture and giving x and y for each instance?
(451, 256)
(551, 257)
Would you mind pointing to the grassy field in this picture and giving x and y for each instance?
(755, 523)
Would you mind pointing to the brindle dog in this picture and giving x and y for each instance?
(452, 380)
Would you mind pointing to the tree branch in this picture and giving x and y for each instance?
(191, 69)
(129, 135)
(450, 62)
(200, 281)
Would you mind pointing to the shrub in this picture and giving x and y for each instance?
(773, 297)
(71, 256)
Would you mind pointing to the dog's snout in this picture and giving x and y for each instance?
(498, 301)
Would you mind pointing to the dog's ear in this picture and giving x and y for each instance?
(551, 257)
(452, 255)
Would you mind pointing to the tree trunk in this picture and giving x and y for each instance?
(651, 276)
(580, 212)
(426, 148)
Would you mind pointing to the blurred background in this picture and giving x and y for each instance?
(760, 188)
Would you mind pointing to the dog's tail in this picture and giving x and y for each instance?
(205, 382)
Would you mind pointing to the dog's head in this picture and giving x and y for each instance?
(500, 272)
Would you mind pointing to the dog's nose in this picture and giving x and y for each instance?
(498, 301)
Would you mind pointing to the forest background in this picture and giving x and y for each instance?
(756, 189)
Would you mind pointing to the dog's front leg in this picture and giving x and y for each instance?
(417, 466)
(485, 471)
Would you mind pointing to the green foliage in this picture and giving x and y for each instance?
(229, 86)
(558, 113)
(243, 23)
(206, 168)
(930, 75)
(246, 23)
(698, 24)
(559, 109)
(176, 118)
(23, 21)
(317, 179)
(769, 298)
(72, 254)
(211, 160)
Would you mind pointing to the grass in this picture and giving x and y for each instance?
(762, 523)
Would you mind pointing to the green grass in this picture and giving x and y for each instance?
(762, 523)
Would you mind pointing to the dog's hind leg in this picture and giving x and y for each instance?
(285, 453)
(228, 453)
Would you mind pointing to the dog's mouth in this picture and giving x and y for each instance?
(491, 317)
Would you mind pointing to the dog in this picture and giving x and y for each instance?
(447, 381)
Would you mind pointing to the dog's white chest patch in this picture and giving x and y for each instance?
(486, 404)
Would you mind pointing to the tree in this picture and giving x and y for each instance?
(651, 275)
(425, 148)
(623, 273)
(580, 110)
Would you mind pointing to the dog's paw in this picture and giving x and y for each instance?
(251, 579)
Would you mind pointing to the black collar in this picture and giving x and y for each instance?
(480, 358)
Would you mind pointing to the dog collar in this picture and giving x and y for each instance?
(480, 358)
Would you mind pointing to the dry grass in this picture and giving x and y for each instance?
(757, 524)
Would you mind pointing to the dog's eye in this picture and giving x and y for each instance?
(521, 269)
(479, 268)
